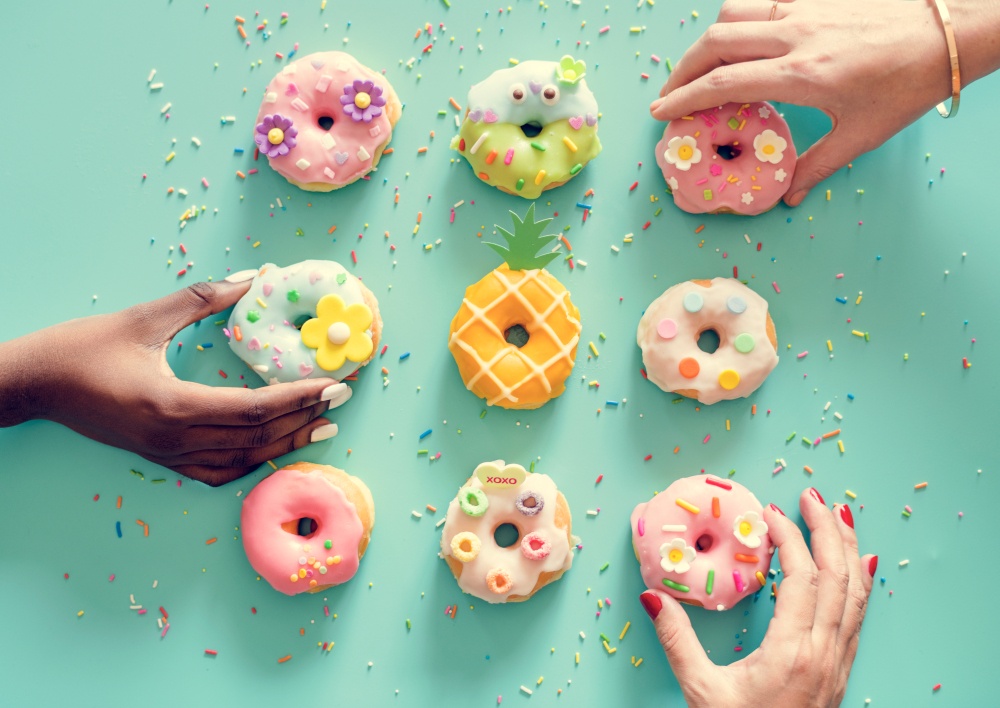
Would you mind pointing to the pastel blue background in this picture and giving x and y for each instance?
(81, 127)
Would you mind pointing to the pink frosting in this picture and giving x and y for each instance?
(287, 496)
(682, 519)
(750, 183)
(310, 89)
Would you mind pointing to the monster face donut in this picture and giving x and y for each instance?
(514, 337)
(507, 534)
(309, 320)
(531, 127)
(704, 541)
(735, 159)
(325, 121)
(341, 514)
(671, 329)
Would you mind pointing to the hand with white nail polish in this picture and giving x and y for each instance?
(873, 67)
(107, 377)
(807, 652)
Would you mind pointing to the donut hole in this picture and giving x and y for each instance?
(516, 335)
(306, 526)
(531, 129)
(325, 122)
(708, 341)
(704, 543)
(728, 152)
(301, 320)
(506, 535)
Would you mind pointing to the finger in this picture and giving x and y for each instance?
(750, 10)
(238, 457)
(796, 602)
(826, 156)
(687, 657)
(746, 82)
(828, 553)
(727, 43)
(857, 589)
(163, 318)
(227, 437)
(197, 404)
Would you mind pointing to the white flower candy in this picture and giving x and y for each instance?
(682, 152)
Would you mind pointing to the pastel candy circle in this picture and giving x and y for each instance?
(744, 343)
(729, 379)
(689, 368)
(736, 305)
(667, 328)
(693, 302)
(338, 333)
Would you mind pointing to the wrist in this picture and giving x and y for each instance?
(21, 388)
(977, 34)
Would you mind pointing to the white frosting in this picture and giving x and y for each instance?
(494, 94)
(663, 355)
(502, 510)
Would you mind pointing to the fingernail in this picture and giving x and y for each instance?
(242, 276)
(774, 507)
(873, 566)
(846, 515)
(340, 399)
(651, 603)
(798, 197)
(332, 390)
(323, 432)
(814, 493)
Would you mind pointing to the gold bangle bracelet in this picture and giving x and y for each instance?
(956, 77)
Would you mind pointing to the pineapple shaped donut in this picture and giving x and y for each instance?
(515, 335)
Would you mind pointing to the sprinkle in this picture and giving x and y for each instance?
(840, 446)
(538, 146)
(774, 284)
(687, 506)
(118, 528)
(283, 659)
(922, 485)
(634, 185)
(851, 494)
(675, 586)
(904, 563)
(211, 652)
(622, 635)
(593, 350)
(569, 143)
(425, 433)
(539, 177)
(526, 690)
(210, 541)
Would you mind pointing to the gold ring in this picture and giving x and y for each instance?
(774, 8)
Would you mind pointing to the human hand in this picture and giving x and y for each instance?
(107, 377)
(872, 67)
(809, 646)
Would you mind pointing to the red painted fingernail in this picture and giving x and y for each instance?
(775, 508)
(873, 566)
(846, 515)
(651, 603)
(816, 495)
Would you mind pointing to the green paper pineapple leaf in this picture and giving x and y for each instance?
(521, 252)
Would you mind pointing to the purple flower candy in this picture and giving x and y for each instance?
(350, 100)
(261, 135)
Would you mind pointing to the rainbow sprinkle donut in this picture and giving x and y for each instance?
(670, 329)
(531, 127)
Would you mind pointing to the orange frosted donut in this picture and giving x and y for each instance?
(539, 550)
(342, 513)
(704, 541)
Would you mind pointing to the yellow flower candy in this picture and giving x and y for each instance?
(275, 136)
(338, 333)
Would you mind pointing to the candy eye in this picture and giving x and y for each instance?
(550, 95)
(517, 93)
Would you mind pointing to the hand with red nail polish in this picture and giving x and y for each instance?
(853, 61)
(107, 377)
(807, 653)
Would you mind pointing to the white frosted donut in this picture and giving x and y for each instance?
(325, 121)
(497, 495)
(309, 320)
(672, 324)
(704, 541)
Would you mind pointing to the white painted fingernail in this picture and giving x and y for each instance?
(242, 276)
(323, 432)
(341, 399)
(332, 390)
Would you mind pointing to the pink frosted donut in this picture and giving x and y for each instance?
(325, 121)
(703, 540)
(735, 159)
(341, 509)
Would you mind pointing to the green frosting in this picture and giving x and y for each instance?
(556, 157)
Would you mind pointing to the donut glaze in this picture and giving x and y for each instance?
(340, 505)
(737, 158)
(552, 98)
(358, 106)
(703, 540)
(339, 320)
(530, 502)
(670, 327)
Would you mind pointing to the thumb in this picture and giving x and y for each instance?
(167, 316)
(826, 156)
(687, 658)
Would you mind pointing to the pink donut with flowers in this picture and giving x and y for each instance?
(704, 541)
(325, 121)
(733, 159)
